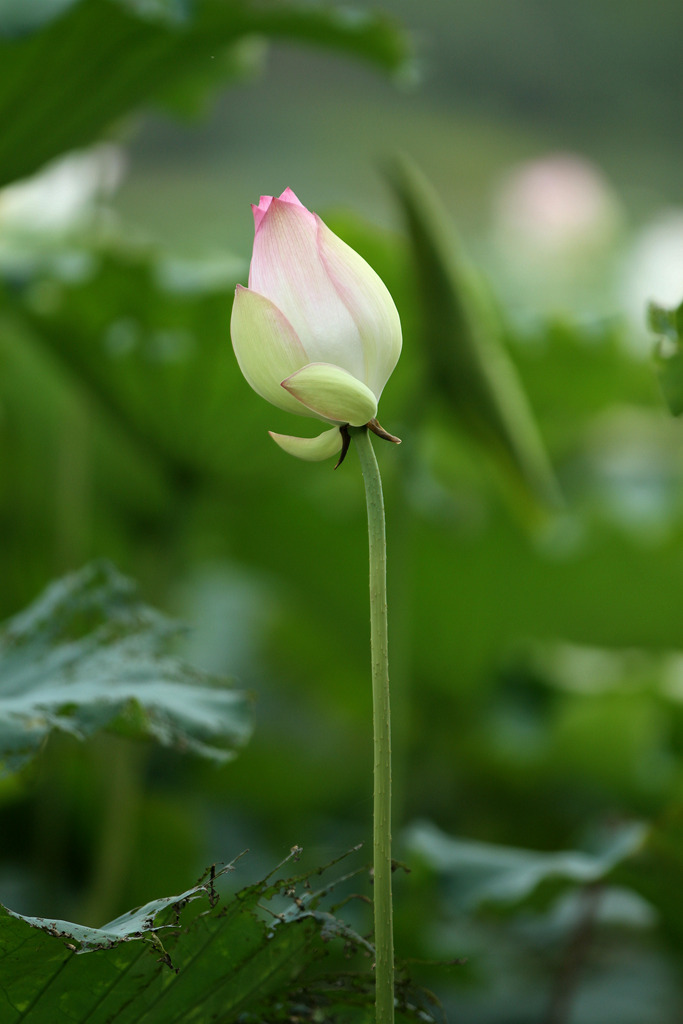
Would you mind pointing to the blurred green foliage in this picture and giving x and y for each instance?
(535, 661)
(668, 324)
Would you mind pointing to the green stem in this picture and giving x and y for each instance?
(384, 931)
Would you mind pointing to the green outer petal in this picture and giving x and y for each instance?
(267, 348)
(369, 302)
(332, 393)
(311, 449)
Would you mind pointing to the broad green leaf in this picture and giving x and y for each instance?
(668, 323)
(191, 957)
(149, 337)
(88, 655)
(468, 365)
(65, 80)
(484, 874)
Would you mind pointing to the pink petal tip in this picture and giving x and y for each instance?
(289, 197)
(265, 203)
(260, 210)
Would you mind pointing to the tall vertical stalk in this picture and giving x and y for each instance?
(384, 929)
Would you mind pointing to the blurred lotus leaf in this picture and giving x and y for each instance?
(129, 324)
(101, 59)
(503, 876)
(88, 655)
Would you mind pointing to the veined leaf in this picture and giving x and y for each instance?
(65, 80)
(191, 958)
(88, 655)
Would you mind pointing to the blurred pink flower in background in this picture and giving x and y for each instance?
(556, 225)
(556, 204)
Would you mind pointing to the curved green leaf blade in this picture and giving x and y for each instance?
(467, 363)
(64, 85)
(88, 655)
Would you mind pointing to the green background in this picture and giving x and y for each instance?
(535, 667)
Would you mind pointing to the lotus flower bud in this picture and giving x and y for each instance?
(316, 332)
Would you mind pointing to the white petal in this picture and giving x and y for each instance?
(311, 449)
(288, 269)
(332, 393)
(370, 304)
(266, 347)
